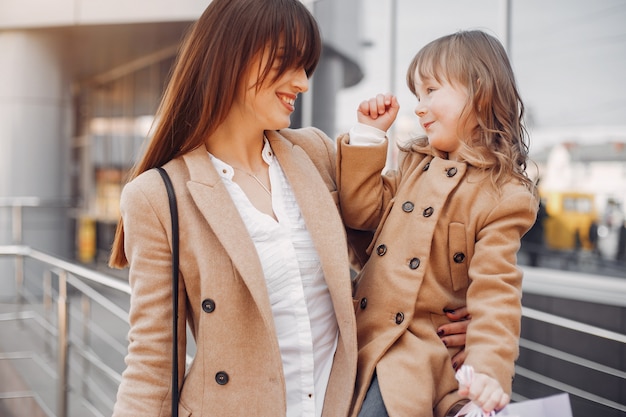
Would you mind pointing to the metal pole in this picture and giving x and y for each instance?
(86, 308)
(19, 259)
(47, 307)
(307, 98)
(63, 334)
(506, 21)
(393, 48)
(17, 224)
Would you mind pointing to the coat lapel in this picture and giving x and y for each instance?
(216, 205)
(320, 216)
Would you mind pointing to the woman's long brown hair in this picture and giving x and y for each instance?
(210, 68)
(479, 62)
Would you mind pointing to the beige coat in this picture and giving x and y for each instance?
(223, 295)
(446, 239)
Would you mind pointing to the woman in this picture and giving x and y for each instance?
(264, 267)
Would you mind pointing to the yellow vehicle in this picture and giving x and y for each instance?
(569, 217)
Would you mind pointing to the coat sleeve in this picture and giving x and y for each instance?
(364, 192)
(146, 381)
(495, 290)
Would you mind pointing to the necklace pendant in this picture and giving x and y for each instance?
(254, 177)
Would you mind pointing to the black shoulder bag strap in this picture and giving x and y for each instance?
(174, 214)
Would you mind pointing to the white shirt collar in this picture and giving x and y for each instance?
(226, 171)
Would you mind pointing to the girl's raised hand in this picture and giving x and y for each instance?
(379, 112)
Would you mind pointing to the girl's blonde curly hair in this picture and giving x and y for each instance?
(478, 62)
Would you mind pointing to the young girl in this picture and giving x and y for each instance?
(448, 227)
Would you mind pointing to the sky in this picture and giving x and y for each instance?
(569, 58)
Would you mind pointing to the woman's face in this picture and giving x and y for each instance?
(269, 106)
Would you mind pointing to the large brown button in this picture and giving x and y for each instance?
(459, 257)
(399, 318)
(414, 263)
(381, 250)
(451, 172)
(428, 212)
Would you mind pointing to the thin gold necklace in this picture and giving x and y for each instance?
(254, 177)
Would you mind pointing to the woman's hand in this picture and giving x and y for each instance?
(454, 334)
(379, 112)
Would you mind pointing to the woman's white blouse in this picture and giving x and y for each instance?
(301, 305)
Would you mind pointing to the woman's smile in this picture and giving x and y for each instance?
(289, 100)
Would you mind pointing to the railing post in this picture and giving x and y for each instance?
(86, 308)
(47, 306)
(63, 335)
(19, 259)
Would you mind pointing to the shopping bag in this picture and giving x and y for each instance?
(553, 406)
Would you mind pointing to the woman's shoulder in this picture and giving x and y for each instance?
(317, 145)
(308, 138)
(145, 181)
(142, 191)
(319, 148)
(150, 183)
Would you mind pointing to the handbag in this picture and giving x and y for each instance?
(174, 215)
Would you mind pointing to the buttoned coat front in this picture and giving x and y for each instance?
(237, 368)
(445, 238)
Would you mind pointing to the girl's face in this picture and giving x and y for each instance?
(440, 110)
(269, 106)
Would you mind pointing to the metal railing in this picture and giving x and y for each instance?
(75, 291)
(573, 340)
(65, 284)
(49, 293)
